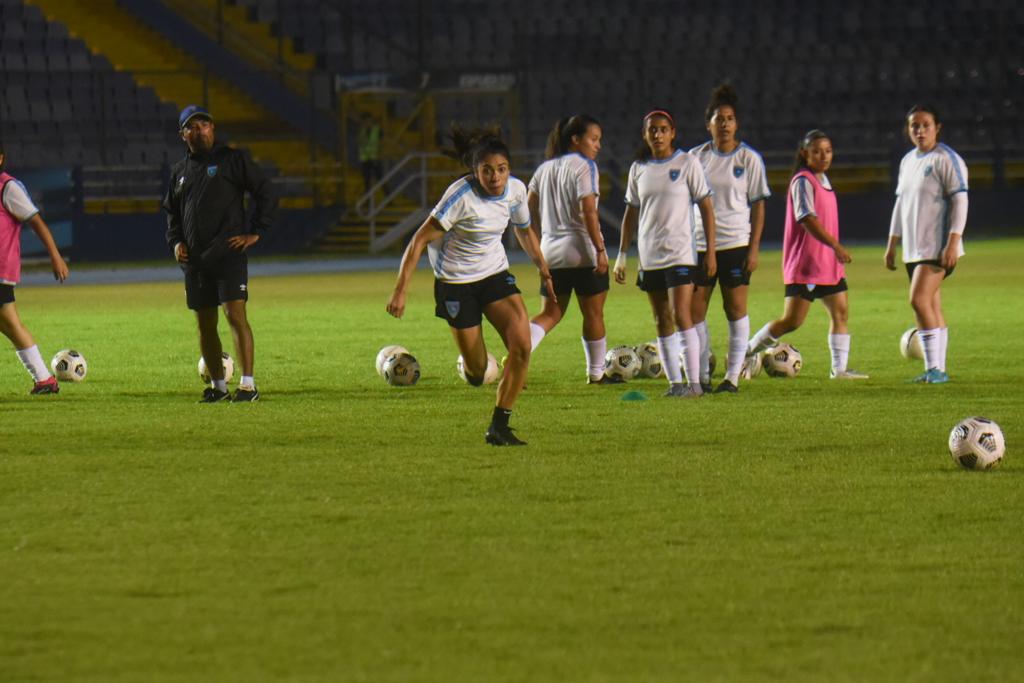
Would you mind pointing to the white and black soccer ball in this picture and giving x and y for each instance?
(621, 362)
(386, 353)
(977, 443)
(492, 373)
(69, 365)
(782, 360)
(650, 361)
(910, 345)
(229, 368)
(401, 370)
(752, 366)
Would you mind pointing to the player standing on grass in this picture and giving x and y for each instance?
(664, 184)
(463, 234)
(206, 228)
(812, 256)
(929, 217)
(738, 181)
(16, 208)
(563, 197)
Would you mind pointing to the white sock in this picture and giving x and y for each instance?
(33, 362)
(739, 331)
(220, 384)
(595, 349)
(944, 339)
(536, 335)
(704, 339)
(247, 382)
(668, 347)
(839, 347)
(762, 340)
(689, 342)
(931, 344)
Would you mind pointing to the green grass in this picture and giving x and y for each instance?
(343, 530)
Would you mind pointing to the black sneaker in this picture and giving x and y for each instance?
(211, 395)
(246, 395)
(706, 387)
(502, 436)
(605, 379)
(727, 387)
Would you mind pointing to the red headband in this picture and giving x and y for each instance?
(661, 112)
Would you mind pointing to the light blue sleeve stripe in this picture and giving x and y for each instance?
(593, 175)
(439, 214)
(806, 208)
(956, 167)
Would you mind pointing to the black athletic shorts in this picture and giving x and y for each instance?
(462, 305)
(664, 279)
(209, 287)
(583, 281)
(6, 294)
(730, 268)
(930, 262)
(812, 292)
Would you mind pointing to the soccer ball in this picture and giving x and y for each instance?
(976, 443)
(492, 373)
(386, 353)
(621, 362)
(69, 366)
(752, 366)
(782, 361)
(229, 369)
(401, 370)
(650, 361)
(910, 345)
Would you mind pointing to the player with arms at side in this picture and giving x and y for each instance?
(739, 186)
(563, 196)
(664, 185)
(812, 257)
(929, 218)
(16, 207)
(463, 234)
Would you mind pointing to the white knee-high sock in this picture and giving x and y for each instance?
(839, 347)
(689, 343)
(739, 331)
(931, 344)
(668, 348)
(944, 344)
(595, 349)
(33, 362)
(704, 339)
(536, 335)
(762, 340)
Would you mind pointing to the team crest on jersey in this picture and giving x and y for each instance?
(737, 171)
(673, 174)
(211, 170)
(927, 171)
(453, 308)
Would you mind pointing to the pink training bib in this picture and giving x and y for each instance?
(806, 260)
(10, 239)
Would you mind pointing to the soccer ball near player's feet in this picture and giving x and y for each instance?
(492, 373)
(752, 366)
(401, 370)
(229, 369)
(976, 443)
(782, 361)
(386, 353)
(69, 366)
(910, 345)
(621, 363)
(650, 361)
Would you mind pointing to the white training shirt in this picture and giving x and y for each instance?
(801, 193)
(561, 183)
(474, 223)
(737, 180)
(665, 191)
(17, 202)
(921, 214)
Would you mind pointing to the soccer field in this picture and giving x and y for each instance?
(344, 530)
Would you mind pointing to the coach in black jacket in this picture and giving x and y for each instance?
(206, 228)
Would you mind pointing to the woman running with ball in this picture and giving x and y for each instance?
(463, 235)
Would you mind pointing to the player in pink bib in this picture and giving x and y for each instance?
(16, 207)
(812, 257)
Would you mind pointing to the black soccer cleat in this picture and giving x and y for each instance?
(606, 379)
(246, 395)
(211, 395)
(706, 387)
(502, 436)
(727, 387)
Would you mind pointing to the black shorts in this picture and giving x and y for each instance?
(812, 292)
(6, 294)
(583, 281)
(664, 279)
(462, 305)
(208, 287)
(928, 262)
(730, 268)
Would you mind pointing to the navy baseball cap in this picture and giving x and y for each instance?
(189, 113)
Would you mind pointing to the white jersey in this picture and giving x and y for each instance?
(17, 202)
(665, 191)
(561, 183)
(921, 214)
(737, 179)
(474, 223)
(801, 193)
